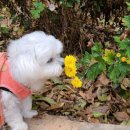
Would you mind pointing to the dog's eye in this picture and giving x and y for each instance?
(50, 60)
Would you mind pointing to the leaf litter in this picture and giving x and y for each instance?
(95, 102)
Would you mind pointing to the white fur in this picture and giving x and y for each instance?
(28, 58)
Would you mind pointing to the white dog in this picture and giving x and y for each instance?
(33, 59)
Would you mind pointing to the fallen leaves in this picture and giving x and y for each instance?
(121, 116)
(103, 79)
(96, 102)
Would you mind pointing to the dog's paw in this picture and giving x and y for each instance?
(20, 126)
(30, 114)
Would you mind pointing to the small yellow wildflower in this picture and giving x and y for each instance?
(70, 59)
(118, 55)
(128, 61)
(76, 82)
(109, 52)
(123, 59)
(109, 56)
(70, 70)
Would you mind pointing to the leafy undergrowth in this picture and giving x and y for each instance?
(78, 24)
(95, 102)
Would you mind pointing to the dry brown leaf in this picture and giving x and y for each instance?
(89, 95)
(103, 109)
(128, 110)
(43, 105)
(98, 84)
(82, 94)
(56, 106)
(125, 83)
(88, 110)
(125, 34)
(90, 44)
(121, 116)
(103, 79)
(93, 120)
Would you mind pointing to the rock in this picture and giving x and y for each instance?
(48, 122)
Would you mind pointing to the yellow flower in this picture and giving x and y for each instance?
(70, 59)
(123, 59)
(70, 70)
(118, 55)
(109, 56)
(76, 82)
(109, 52)
(128, 61)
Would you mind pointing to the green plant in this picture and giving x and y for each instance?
(115, 63)
(4, 29)
(38, 8)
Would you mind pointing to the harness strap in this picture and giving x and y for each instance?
(1, 112)
(1, 108)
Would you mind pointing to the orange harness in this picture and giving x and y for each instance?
(7, 81)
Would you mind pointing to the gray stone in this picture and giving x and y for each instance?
(47, 122)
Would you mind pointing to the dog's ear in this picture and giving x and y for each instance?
(42, 54)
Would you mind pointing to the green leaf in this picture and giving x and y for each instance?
(122, 44)
(35, 14)
(127, 123)
(80, 104)
(97, 47)
(97, 50)
(62, 87)
(94, 70)
(103, 97)
(126, 21)
(124, 68)
(1, 17)
(48, 100)
(86, 58)
(69, 4)
(97, 114)
(128, 51)
(117, 39)
(56, 80)
(39, 6)
(102, 66)
(128, 4)
(78, 1)
(4, 30)
(113, 72)
(124, 94)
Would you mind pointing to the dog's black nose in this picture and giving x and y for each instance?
(63, 65)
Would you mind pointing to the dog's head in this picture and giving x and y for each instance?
(35, 57)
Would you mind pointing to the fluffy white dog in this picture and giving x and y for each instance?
(33, 59)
